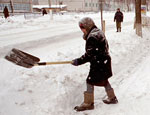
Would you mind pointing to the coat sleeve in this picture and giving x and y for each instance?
(122, 16)
(115, 17)
(90, 51)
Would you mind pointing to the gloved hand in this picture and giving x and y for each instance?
(75, 62)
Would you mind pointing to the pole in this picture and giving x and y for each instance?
(49, 2)
(50, 10)
(31, 9)
(101, 8)
(102, 21)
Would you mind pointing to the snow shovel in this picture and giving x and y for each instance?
(26, 60)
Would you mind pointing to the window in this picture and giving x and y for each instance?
(86, 4)
(3, 5)
(93, 4)
(89, 4)
(24, 7)
(96, 5)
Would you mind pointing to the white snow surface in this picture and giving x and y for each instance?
(57, 89)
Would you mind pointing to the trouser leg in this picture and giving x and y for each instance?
(90, 88)
(117, 26)
(111, 95)
(107, 86)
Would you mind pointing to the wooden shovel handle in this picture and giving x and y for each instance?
(52, 63)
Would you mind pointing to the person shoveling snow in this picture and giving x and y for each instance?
(100, 69)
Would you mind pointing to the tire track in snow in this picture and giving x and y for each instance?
(45, 40)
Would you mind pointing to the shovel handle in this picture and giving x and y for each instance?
(52, 63)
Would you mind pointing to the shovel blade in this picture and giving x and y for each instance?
(21, 58)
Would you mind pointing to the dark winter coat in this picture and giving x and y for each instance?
(6, 12)
(98, 56)
(44, 12)
(118, 16)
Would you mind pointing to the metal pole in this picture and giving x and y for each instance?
(102, 21)
(92, 5)
(31, 9)
(101, 10)
(102, 14)
(50, 10)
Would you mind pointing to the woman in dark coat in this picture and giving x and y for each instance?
(44, 11)
(100, 64)
(6, 12)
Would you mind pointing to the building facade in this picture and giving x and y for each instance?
(75, 5)
(16, 6)
(87, 5)
(35, 2)
(82, 5)
(43, 2)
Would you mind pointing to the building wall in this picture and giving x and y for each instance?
(43, 2)
(16, 5)
(82, 5)
(75, 5)
(35, 2)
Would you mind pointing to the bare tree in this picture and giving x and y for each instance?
(138, 21)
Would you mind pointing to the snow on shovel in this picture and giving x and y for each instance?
(24, 59)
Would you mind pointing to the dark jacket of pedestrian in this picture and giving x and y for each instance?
(6, 12)
(118, 16)
(96, 52)
(44, 12)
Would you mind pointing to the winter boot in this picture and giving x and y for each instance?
(111, 97)
(88, 103)
(117, 30)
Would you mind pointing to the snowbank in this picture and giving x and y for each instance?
(56, 89)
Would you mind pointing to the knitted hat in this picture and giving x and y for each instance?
(86, 23)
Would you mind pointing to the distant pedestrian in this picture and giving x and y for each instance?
(118, 18)
(97, 54)
(44, 11)
(6, 12)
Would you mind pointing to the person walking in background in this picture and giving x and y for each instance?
(44, 11)
(6, 12)
(118, 18)
(100, 64)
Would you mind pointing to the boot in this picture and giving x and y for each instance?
(88, 103)
(112, 99)
(117, 30)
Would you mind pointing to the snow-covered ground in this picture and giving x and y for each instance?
(56, 89)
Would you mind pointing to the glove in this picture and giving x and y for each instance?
(75, 62)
